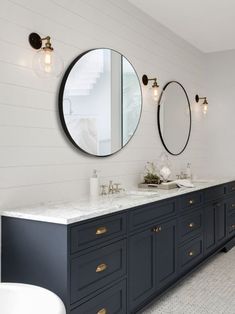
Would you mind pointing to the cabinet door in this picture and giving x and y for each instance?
(165, 254)
(215, 225)
(221, 226)
(210, 228)
(141, 267)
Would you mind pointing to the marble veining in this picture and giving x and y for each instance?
(71, 212)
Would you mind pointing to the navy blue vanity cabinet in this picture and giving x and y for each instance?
(119, 263)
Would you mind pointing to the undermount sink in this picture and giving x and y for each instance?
(137, 194)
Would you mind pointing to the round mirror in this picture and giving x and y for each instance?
(174, 118)
(100, 102)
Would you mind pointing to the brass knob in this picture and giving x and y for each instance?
(190, 253)
(101, 230)
(160, 228)
(102, 311)
(101, 267)
(233, 205)
(191, 225)
(191, 202)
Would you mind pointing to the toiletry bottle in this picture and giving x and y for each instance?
(188, 171)
(94, 185)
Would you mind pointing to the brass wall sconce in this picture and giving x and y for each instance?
(46, 63)
(204, 103)
(155, 85)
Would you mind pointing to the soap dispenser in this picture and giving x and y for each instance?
(94, 185)
(188, 171)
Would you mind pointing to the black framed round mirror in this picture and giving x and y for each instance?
(174, 118)
(100, 102)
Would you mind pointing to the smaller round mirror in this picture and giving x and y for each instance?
(174, 118)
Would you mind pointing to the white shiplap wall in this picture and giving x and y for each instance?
(37, 163)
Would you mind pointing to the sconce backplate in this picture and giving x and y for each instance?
(145, 79)
(35, 41)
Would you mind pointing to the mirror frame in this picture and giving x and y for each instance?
(158, 118)
(61, 97)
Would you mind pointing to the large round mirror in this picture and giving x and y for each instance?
(100, 102)
(174, 118)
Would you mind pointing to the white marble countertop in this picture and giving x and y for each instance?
(71, 212)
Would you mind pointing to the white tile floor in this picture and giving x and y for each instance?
(210, 290)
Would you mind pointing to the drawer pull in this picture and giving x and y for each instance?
(233, 188)
(102, 311)
(101, 230)
(233, 226)
(190, 253)
(233, 205)
(101, 267)
(157, 229)
(191, 202)
(191, 225)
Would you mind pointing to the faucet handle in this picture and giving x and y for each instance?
(116, 187)
(103, 189)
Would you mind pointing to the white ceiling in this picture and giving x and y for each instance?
(208, 25)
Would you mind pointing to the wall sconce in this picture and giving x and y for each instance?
(204, 104)
(155, 85)
(45, 62)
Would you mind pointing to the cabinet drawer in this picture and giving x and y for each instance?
(97, 231)
(111, 301)
(190, 253)
(190, 225)
(148, 213)
(231, 225)
(96, 269)
(191, 200)
(231, 187)
(214, 193)
(231, 205)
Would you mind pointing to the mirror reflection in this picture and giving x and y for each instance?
(100, 102)
(174, 118)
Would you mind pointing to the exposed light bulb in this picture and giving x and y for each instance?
(48, 60)
(155, 93)
(204, 108)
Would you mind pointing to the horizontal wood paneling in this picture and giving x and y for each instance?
(37, 163)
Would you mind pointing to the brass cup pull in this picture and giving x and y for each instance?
(191, 225)
(102, 311)
(101, 267)
(101, 230)
(191, 202)
(190, 253)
